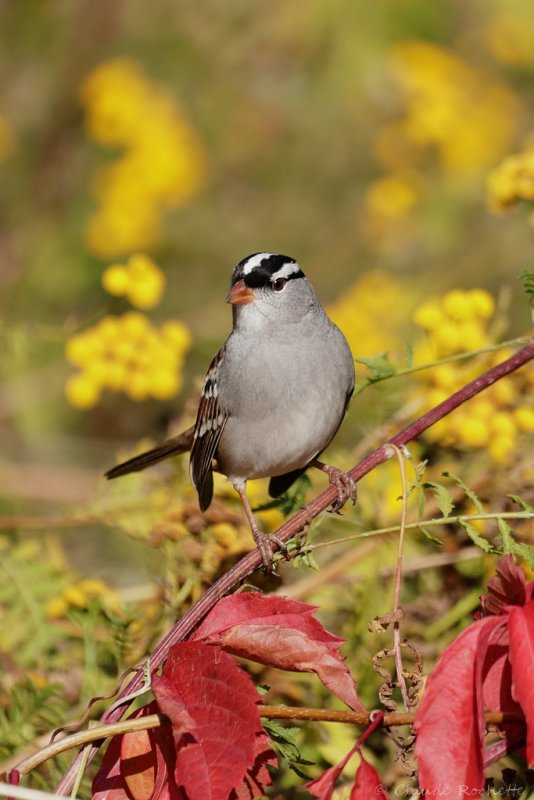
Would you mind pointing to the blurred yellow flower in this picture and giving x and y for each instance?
(512, 180)
(452, 107)
(372, 313)
(393, 197)
(510, 38)
(127, 354)
(80, 595)
(140, 280)
(458, 322)
(162, 164)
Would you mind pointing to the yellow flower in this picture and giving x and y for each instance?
(393, 197)
(471, 431)
(127, 354)
(79, 596)
(82, 391)
(140, 280)
(372, 313)
(451, 106)
(161, 166)
(458, 322)
(524, 417)
(511, 181)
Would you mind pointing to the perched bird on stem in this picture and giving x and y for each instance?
(274, 396)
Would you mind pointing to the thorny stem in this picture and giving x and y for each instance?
(398, 579)
(101, 732)
(296, 525)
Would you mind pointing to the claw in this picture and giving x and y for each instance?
(344, 484)
(264, 543)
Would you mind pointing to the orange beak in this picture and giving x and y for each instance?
(240, 294)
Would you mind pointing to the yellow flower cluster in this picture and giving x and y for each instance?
(80, 595)
(161, 166)
(140, 280)
(372, 313)
(127, 354)
(451, 107)
(511, 181)
(459, 322)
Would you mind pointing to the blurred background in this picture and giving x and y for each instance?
(145, 148)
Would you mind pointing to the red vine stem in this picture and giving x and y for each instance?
(252, 561)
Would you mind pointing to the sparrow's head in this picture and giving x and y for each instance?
(272, 287)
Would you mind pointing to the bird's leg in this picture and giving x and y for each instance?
(264, 541)
(345, 486)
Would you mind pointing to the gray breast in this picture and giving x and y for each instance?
(285, 396)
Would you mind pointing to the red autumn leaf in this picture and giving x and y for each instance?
(496, 674)
(212, 705)
(521, 632)
(506, 588)
(280, 633)
(136, 764)
(367, 783)
(323, 786)
(449, 721)
(257, 777)
(108, 783)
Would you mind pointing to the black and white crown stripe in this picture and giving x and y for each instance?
(261, 269)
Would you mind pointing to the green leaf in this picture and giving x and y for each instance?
(468, 492)
(305, 559)
(283, 739)
(475, 536)
(509, 544)
(521, 503)
(443, 496)
(430, 535)
(528, 283)
(506, 536)
(379, 367)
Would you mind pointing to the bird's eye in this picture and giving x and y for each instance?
(278, 284)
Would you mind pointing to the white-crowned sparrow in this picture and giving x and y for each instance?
(274, 395)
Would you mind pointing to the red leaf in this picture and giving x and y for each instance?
(521, 632)
(257, 777)
(108, 783)
(449, 721)
(496, 674)
(212, 705)
(323, 786)
(367, 783)
(506, 588)
(280, 633)
(136, 764)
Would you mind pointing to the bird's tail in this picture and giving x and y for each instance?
(172, 447)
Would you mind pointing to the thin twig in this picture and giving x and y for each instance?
(298, 523)
(302, 714)
(398, 578)
(456, 519)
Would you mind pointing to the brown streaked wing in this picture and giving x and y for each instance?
(211, 419)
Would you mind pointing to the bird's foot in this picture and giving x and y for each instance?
(266, 544)
(344, 484)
